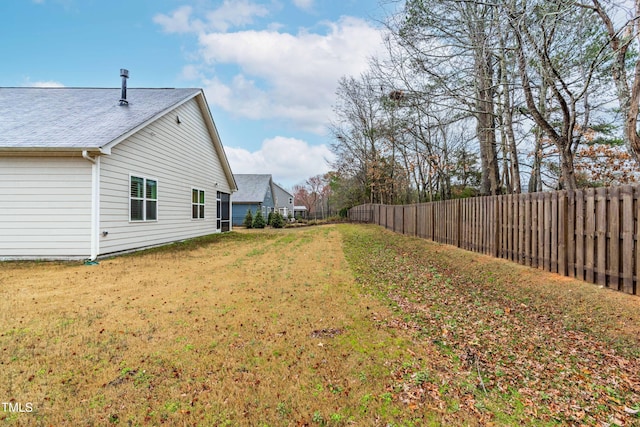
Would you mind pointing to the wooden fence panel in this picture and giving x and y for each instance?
(397, 219)
(580, 236)
(546, 232)
(409, 220)
(553, 260)
(636, 232)
(589, 234)
(562, 233)
(601, 236)
(613, 240)
(521, 229)
(534, 230)
(489, 225)
(424, 221)
(463, 224)
(571, 234)
(527, 229)
(627, 239)
(540, 230)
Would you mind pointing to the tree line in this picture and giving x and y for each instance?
(491, 97)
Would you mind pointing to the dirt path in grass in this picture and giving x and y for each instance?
(323, 326)
(250, 328)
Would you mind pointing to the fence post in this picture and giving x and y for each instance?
(613, 223)
(496, 234)
(627, 239)
(562, 233)
(571, 233)
(601, 236)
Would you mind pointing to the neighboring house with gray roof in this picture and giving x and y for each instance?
(258, 192)
(89, 172)
(283, 201)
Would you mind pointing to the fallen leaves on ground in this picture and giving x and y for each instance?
(502, 352)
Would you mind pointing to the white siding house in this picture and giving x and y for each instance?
(82, 175)
(283, 200)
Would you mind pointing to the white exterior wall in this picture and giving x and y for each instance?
(45, 207)
(180, 157)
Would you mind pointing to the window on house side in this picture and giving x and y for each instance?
(143, 199)
(197, 204)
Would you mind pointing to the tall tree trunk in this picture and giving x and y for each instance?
(628, 97)
(507, 108)
(485, 115)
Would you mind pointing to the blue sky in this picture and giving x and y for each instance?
(269, 68)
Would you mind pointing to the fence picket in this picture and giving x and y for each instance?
(570, 232)
(553, 261)
(588, 234)
(601, 236)
(546, 227)
(627, 239)
(613, 240)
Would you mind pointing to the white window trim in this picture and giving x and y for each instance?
(144, 205)
(199, 204)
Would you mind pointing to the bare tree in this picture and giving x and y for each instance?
(621, 40)
(565, 51)
(451, 42)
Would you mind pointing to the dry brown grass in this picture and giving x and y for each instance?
(274, 328)
(256, 328)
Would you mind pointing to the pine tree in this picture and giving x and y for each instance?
(258, 220)
(277, 221)
(248, 219)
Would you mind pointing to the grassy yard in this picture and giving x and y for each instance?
(323, 326)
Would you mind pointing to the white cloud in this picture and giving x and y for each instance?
(303, 4)
(289, 160)
(46, 84)
(235, 13)
(179, 21)
(292, 77)
(232, 13)
(268, 73)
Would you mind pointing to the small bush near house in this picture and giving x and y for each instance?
(269, 218)
(248, 219)
(258, 220)
(277, 220)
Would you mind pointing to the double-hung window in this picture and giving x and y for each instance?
(197, 204)
(143, 198)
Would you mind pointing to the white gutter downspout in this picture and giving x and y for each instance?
(95, 203)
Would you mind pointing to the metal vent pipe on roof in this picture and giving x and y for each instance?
(123, 96)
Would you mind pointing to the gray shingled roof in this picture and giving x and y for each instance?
(78, 118)
(251, 188)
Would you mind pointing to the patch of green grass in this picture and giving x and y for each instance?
(493, 331)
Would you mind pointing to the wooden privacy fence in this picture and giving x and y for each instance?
(589, 234)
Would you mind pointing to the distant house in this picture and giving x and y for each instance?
(300, 212)
(89, 172)
(259, 192)
(283, 201)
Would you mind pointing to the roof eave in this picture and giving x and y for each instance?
(49, 151)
